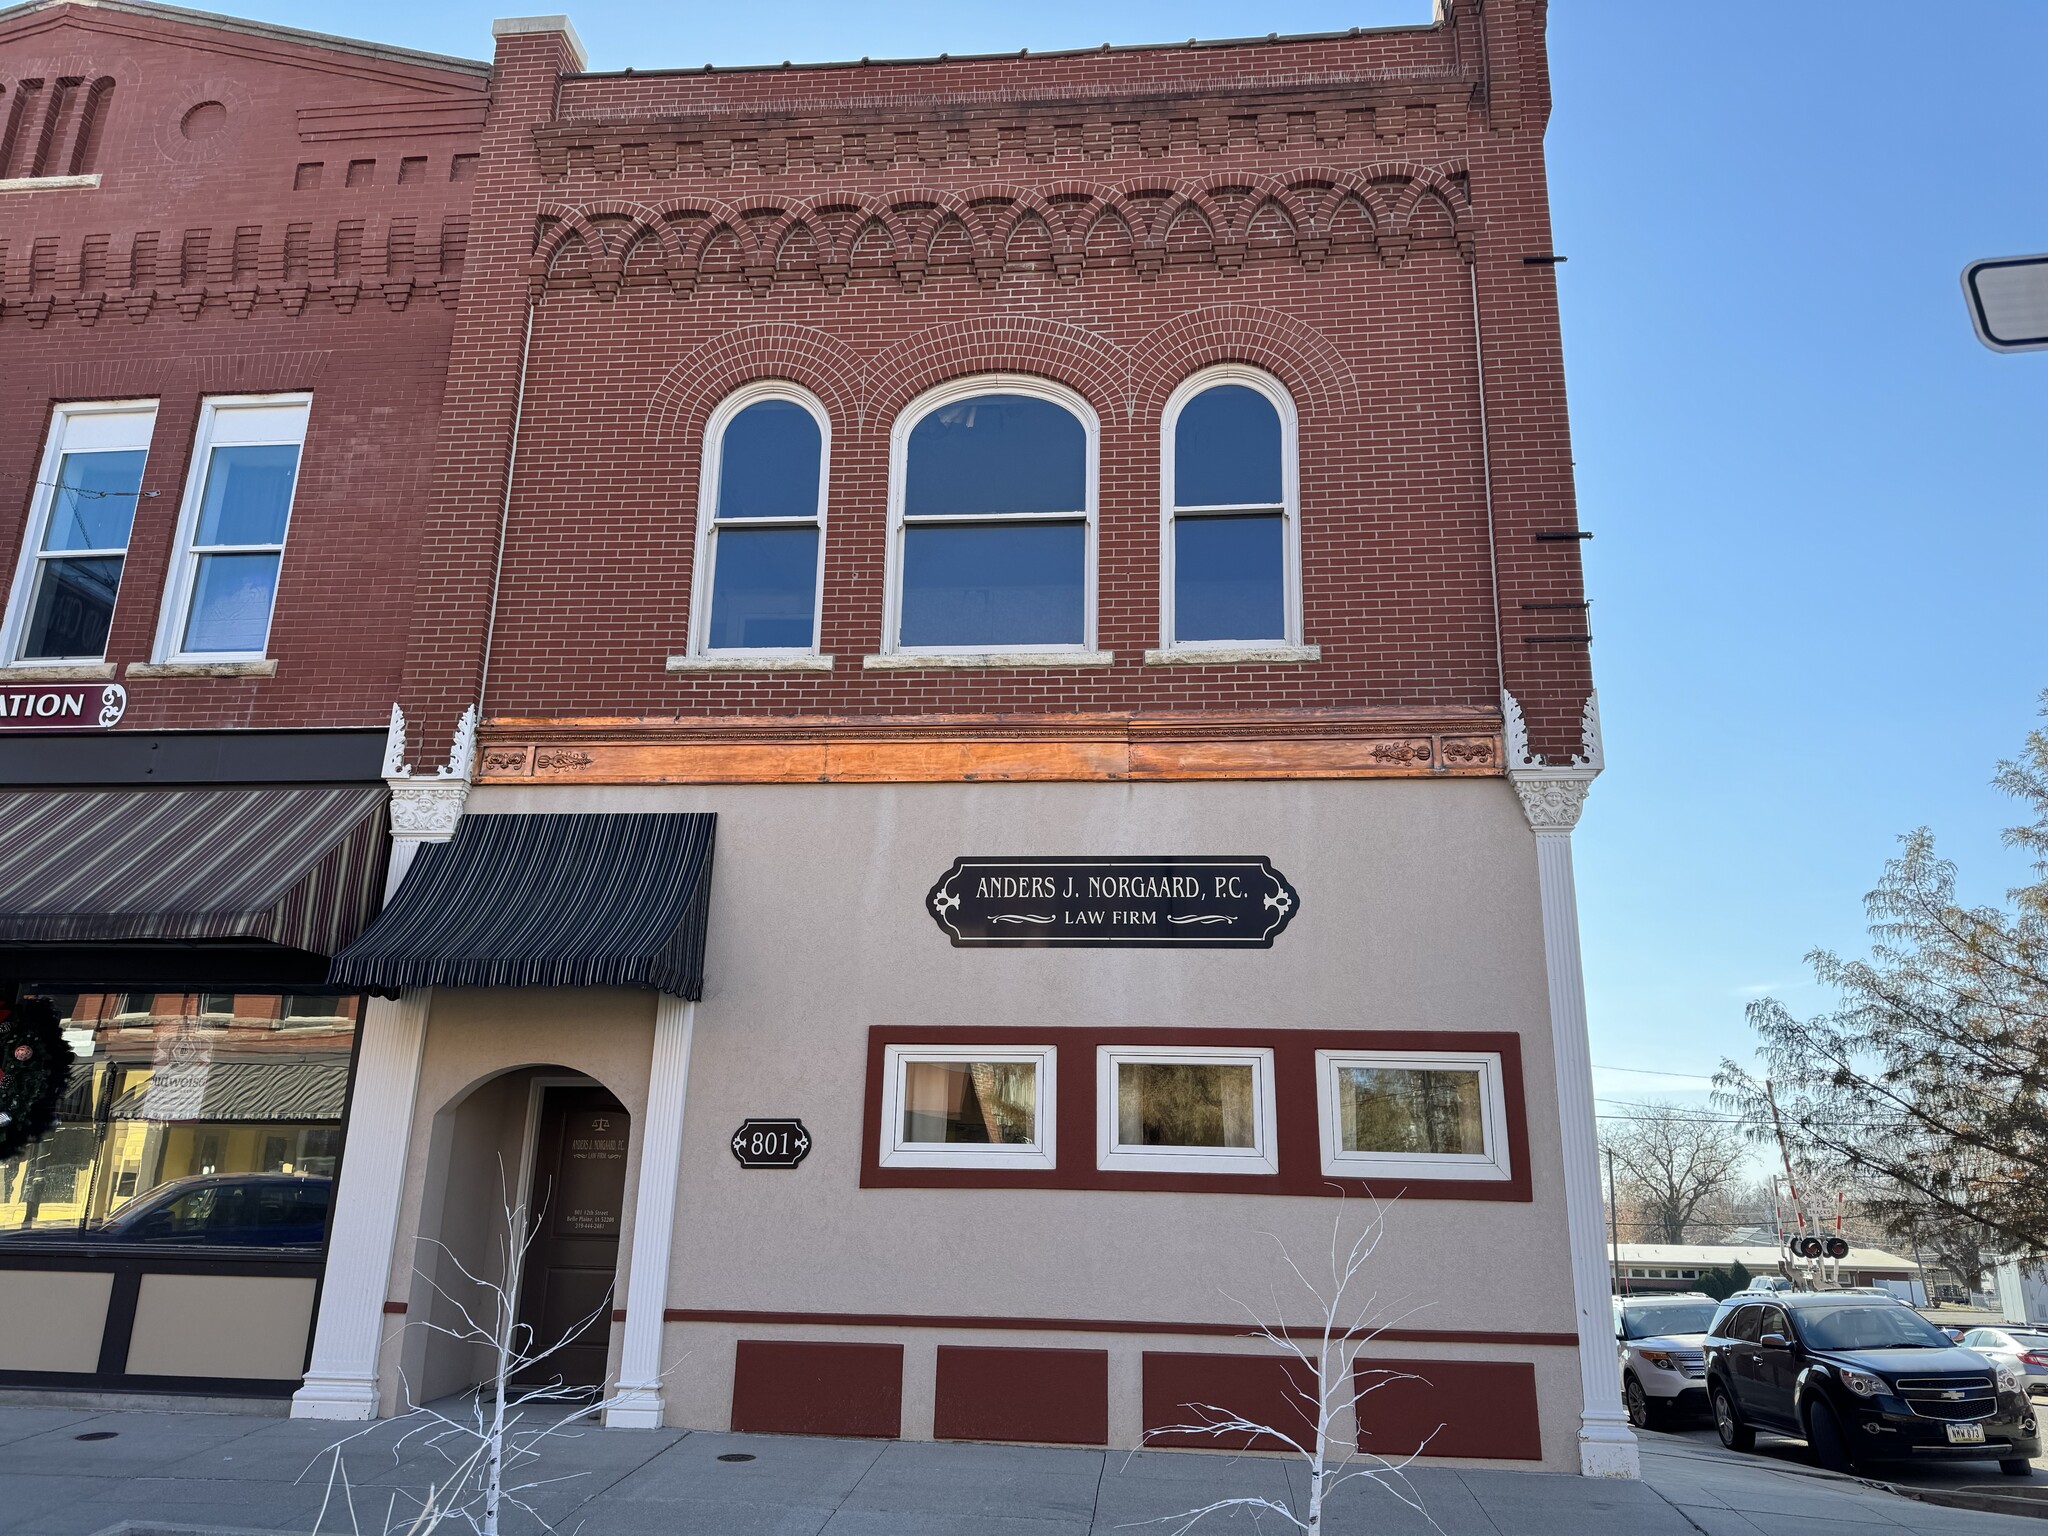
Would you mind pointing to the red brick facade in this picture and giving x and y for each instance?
(271, 214)
(601, 258)
(1111, 221)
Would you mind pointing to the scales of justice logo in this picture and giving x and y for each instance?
(1168, 901)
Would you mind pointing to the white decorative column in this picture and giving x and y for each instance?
(637, 1401)
(341, 1382)
(1552, 798)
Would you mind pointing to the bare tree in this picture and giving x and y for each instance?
(1927, 1083)
(494, 1443)
(1676, 1166)
(1327, 1384)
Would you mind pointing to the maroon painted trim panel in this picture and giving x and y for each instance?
(1478, 1408)
(1298, 1136)
(1100, 1325)
(1187, 1390)
(1051, 1396)
(795, 1387)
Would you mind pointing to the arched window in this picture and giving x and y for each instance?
(1231, 566)
(992, 485)
(761, 524)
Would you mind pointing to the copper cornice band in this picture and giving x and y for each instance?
(1098, 1325)
(1373, 742)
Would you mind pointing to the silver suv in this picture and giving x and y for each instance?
(1663, 1371)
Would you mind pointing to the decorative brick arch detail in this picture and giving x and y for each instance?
(1301, 357)
(1052, 349)
(688, 392)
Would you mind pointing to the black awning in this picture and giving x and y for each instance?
(298, 867)
(546, 901)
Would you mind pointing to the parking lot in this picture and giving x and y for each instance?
(1938, 1476)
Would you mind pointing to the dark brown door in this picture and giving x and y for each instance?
(579, 1190)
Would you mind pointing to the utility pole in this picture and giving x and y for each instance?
(1616, 1277)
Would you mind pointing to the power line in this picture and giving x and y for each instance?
(1697, 1077)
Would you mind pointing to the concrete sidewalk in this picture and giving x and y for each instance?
(151, 1472)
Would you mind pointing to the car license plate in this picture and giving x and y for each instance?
(1966, 1434)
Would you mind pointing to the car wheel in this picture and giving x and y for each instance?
(1642, 1413)
(2017, 1467)
(1735, 1434)
(1824, 1435)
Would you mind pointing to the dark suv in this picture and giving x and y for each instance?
(1861, 1378)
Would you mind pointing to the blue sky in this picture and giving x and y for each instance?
(1820, 556)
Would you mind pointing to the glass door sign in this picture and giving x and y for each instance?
(771, 1143)
(1167, 901)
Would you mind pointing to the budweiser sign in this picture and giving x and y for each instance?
(61, 706)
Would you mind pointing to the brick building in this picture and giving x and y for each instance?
(1093, 533)
(230, 262)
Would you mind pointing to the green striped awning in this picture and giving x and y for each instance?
(300, 867)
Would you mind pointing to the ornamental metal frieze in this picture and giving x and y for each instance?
(1170, 901)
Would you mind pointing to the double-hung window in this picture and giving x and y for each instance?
(761, 524)
(76, 541)
(973, 1108)
(1419, 1114)
(231, 532)
(1185, 1110)
(1231, 540)
(993, 495)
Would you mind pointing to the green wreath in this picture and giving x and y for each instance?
(35, 1069)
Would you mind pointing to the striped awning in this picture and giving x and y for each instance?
(296, 866)
(257, 1092)
(546, 901)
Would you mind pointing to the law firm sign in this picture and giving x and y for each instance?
(1169, 901)
(61, 706)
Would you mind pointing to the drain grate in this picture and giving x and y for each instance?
(736, 1456)
(98, 1434)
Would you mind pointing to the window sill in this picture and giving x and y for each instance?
(1235, 655)
(59, 672)
(264, 668)
(49, 183)
(918, 662)
(750, 663)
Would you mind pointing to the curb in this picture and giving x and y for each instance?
(1953, 1498)
(1984, 1503)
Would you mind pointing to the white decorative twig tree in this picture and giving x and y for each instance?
(501, 1435)
(1325, 1379)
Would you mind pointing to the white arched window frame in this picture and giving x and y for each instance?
(899, 445)
(1257, 647)
(709, 524)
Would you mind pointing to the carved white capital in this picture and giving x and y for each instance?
(426, 810)
(1552, 800)
(1552, 794)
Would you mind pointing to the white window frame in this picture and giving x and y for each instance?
(185, 557)
(1113, 1156)
(1494, 1164)
(1040, 1152)
(138, 417)
(708, 523)
(1290, 506)
(899, 479)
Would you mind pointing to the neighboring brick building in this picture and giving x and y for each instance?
(230, 260)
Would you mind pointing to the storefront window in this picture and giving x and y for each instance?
(208, 1117)
(1439, 1114)
(967, 1109)
(1186, 1110)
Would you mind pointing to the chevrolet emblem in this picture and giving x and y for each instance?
(1952, 1397)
